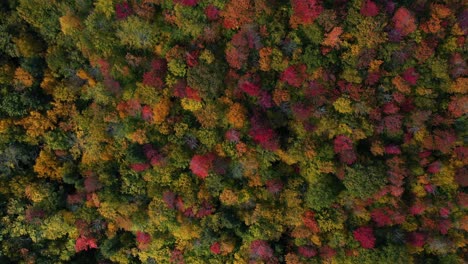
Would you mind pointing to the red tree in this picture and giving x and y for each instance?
(186, 2)
(434, 167)
(369, 8)
(417, 208)
(264, 136)
(444, 212)
(85, 243)
(294, 75)
(237, 13)
(381, 216)
(444, 225)
(274, 186)
(404, 21)
(236, 57)
(200, 165)
(151, 79)
(212, 13)
(177, 257)
(250, 88)
(143, 239)
(305, 11)
(410, 76)
(169, 198)
(342, 143)
(390, 108)
(215, 248)
(365, 236)
(392, 150)
(327, 252)
(205, 209)
(92, 184)
(123, 10)
(416, 239)
(306, 252)
(139, 167)
(309, 221)
(261, 249)
(147, 113)
(343, 146)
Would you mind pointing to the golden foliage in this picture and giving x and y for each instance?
(69, 23)
(236, 115)
(265, 59)
(139, 136)
(227, 247)
(343, 105)
(301, 232)
(432, 25)
(124, 223)
(375, 65)
(401, 85)
(85, 76)
(332, 38)
(93, 201)
(460, 86)
(286, 157)
(309, 150)
(34, 193)
(369, 33)
(105, 7)
(187, 231)
(207, 56)
(47, 166)
(241, 148)
(464, 223)
(191, 104)
(161, 110)
(207, 116)
(27, 45)
(23, 77)
(255, 180)
(280, 96)
(440, 11)
(5, 124)
(62, 113)
(377, 148)
(292, 259)
(423, 52)
(228, 197)
(237, 13)
(48, 82)
(445, 178)
(35, 124)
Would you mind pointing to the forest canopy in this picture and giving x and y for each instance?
(233, 131)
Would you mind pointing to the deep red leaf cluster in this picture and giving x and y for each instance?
(365, 236)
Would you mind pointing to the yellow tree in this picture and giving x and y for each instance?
(35, 124)
(47, 166)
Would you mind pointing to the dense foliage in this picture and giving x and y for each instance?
(233, 131)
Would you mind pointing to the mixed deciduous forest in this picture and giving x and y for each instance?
(233, 131)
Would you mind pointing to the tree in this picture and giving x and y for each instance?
(261, 249)
(237, 13)
(85, 243)
(363, 182)
(365, 236)
(321, 193)
(137, 33)
(369, 8)
(200, 165)
(404, 21)
(305, 12)
(123, 10)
